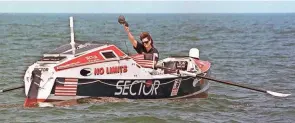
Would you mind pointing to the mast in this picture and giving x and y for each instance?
(72, 35)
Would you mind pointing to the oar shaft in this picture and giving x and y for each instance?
(12, 88)
(227, 82)
(223, 82)
(230, 83)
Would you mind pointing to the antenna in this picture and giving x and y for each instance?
(72, 35)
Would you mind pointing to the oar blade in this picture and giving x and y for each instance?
(277, 94)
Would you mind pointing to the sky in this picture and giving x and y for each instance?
(147, 6)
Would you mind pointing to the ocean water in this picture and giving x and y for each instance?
(257, 50)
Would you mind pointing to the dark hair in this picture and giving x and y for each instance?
(146, 35)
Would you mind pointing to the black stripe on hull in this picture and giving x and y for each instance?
(33, 91)
(138, 89)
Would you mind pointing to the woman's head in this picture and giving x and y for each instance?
(146, 39)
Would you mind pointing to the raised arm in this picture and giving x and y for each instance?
(130, 37)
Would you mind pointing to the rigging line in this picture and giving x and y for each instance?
(126, 47)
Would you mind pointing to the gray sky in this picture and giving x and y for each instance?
(147, 7)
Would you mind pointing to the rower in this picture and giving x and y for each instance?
(146, 46)
(146, 43)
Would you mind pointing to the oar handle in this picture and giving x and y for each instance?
(12, 88)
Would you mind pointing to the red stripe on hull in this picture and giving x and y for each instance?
(32, 102)
(71, 80)
(65, 88)
(65, 94)
(65, 91)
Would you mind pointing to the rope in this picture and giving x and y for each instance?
(79, 83)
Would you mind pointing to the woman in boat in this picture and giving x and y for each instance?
(145, 46)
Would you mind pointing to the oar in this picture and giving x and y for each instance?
(12, 88)
(228, 83)
(235, 84)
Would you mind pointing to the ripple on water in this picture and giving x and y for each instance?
(138, 119)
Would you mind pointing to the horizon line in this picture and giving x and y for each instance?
(149, 13)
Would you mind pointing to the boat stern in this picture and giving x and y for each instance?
(38, 81)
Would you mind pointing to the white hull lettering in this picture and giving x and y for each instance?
(130, 91)
(140, 88)
(119, 87)
(147, 93)
(156, 86)
(127, 88)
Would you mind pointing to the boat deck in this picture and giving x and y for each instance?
(81, 46)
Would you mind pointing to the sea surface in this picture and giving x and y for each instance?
(257, 50)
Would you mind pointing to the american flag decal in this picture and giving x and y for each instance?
(142, 61)
(69, 88)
